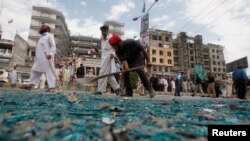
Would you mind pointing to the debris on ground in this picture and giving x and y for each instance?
(26, 115)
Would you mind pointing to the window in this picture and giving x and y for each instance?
(214, 63)
(153, 51)
(213, 57)
(219, 69)
(154, 37)
(160, 38)
(160, 45)
(154, 59)
(166, 39)
(169, 61)
(166, 69)
(212, 50)
(169, 54)
(218, 57)
(191, 52)
(218, 63)
(160, 69)
(161, 52)
(224, 70)
(176, 59)
(214, 69)
(191, 58)
(192, 65)
(161, 60)
(175, 52)
(217, 51)
(206, 57)
(154, 68)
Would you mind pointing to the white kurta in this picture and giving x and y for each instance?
(106, 65)
(13, 77)
(227, 87)
(45, 45)
(164, 82)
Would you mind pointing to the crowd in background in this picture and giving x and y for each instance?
(231, 85)
(67, 74)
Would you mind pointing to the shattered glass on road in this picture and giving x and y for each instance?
(42, 116)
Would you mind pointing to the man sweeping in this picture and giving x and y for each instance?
(44, 59)
(132, 54)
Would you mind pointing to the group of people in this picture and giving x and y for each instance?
(127, 54)
(131, 54)
(229, 85)
(168, 84)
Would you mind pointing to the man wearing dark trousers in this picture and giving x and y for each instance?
(240, 82)
(80, 72)
(132, 54)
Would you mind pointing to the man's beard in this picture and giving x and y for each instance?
(42, 31)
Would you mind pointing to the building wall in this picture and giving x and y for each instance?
(161, 52)
(188, 51)
(218, 66)
(20, 51)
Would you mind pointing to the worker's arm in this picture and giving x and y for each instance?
(147, 58)
(125, 65)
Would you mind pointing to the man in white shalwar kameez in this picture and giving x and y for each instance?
(13, 77)
(44, 59)
(107, 63)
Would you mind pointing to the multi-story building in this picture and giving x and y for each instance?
(188, 51)
(87, 48)
(116, 27)
(217, 60)
(6, 47)
(56, 20)
(161, 52)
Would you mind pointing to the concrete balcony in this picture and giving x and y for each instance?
(44, 19)
(34, 37)
(5, 56)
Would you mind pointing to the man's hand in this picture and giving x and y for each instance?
(125, 65)
(112, 56)
(48, 56)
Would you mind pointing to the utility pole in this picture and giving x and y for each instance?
(145, 30)
(1, 8)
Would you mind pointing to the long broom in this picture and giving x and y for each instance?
(57, 79)
(123, 71)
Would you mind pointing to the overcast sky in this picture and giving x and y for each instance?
(224, 22)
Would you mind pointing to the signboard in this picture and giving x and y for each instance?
(144, 23)
(234, 65)
(144, 37)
